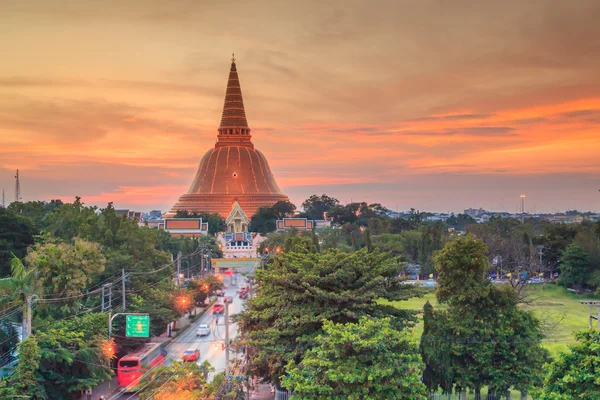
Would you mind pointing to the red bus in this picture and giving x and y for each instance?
(132, 366)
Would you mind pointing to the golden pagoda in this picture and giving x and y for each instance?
(233, 170)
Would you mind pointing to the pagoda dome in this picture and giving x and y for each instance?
(233, 170)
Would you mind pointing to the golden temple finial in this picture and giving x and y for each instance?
(233, 58)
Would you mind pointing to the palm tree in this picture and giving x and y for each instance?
(16, 289)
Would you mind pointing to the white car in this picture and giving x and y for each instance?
(203, 330)
(430, 283)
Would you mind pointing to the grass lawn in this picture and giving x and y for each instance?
(556, 307)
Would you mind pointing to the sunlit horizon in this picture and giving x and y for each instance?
(429, 106)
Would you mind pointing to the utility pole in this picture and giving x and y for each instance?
(106, 291)
(3, 202)
(178, 269)
(123, 288)
(29, 316)
(227, 343)
(109, 306)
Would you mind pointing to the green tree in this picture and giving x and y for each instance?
(74, 219)
(16, 234)
(343, 214)
(66, 269)
(72, 358)
(366, 360)
(263, 221)
(460, 222)
(302, 288)
(483, 338)
(575, 267)
(315, 206)
(204, 287)
(25, 381)
(16, 289)
(556, 238)
(575, 374)
(185, 381)
(36, 211)
(283, 209)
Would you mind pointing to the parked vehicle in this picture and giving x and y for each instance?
(228, 299)
(191, 355)
(131, 367)
(243, 295)
(220, 292)
(203, 330)
(429, 283)
(536, 280)
(218, 309)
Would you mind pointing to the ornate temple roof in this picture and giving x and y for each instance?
(233, 170)
(234, 126)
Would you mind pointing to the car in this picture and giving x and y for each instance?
(429, 283)
(203, 330)
(243, 295)
(191, 355)
(228, 299)
(536, 280)
(220, 293)
(218, 309)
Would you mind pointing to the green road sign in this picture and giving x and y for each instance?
(137, 326)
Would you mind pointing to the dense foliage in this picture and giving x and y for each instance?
(64, 254)
(482, 338)
(303, 288)
(369, 360)
(575, 374)
(264, 220)
(185, 381)
(25, 381)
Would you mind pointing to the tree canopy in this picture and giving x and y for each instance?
(315, 206)
(264, 219)
(575, 374)
(368, 360)
(482, 338)
(302, 288)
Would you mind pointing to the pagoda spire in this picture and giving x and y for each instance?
(234, 128)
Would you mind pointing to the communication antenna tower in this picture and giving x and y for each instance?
(17, 188)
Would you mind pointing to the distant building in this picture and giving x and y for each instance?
(129, 214)
(437, 217)
(233, 170)
(475, 212)
(301, 224)
(155, 214)
(236, 220)
(186, 227)
(238, 242)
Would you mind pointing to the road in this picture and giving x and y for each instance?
(211, 346)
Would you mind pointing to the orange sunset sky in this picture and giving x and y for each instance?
(436, 105)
